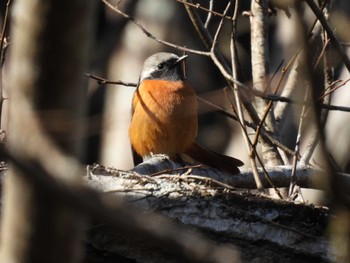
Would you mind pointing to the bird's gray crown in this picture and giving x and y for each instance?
(164, 66)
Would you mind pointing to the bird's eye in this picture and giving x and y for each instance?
(161, 66)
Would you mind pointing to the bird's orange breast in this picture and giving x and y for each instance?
(164, 117)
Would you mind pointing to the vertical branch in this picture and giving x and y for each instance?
(3, 31)
(209, 16)
(293, 81)
(260, 70)
(301, 76)
(2, 55)
(48, 58)
(328, 80)
(239, 111)
(293, 178)
(338, 193)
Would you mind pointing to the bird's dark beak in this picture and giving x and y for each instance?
(180, 59)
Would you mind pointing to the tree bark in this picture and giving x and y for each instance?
(260, 72)
(257, 227)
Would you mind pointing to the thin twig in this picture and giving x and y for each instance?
(222, 111)
(252, 155)
(321, 53)
(101, 80)
(215, 55)
(328, 80)
(150, 35)
(3, 31)
(268, 108)
(197, 177)
(238, 111)
(133, 190)
(329, 86)
(281, 108)
(210, 11)
(334, 89)
(255, 92)
(268, 86)
(215, 39)
(250, 149)
(266, 136)
(297, 146)
(220, 62)
(298, 102)
(268, 178)
(333, 38)
(166, 171)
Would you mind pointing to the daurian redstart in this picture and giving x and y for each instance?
(164, 116)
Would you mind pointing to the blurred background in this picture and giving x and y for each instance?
(120, 49)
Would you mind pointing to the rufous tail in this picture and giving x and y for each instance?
(213, 159)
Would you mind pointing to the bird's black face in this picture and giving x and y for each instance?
(168, 70)
(163, 66)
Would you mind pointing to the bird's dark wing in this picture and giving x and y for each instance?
(136, 157)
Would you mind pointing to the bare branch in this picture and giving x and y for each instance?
(210, 10)
(280, 175)
(3, 31)
(266, 136)
(251, 151)
(333, 38)
(325, 97)
(215, 40)
(150, 35)
(209, 16)
(101, 80)
(3, 49)
(221, 64)
(283, 99)
(341, 84)
(293, 178)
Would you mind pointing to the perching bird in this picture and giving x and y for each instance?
(164, 116)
